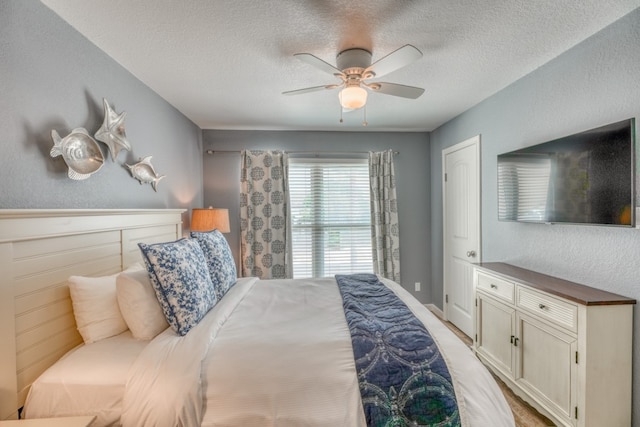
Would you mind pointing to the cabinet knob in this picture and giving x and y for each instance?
(471, 254)
(542, 306)
(493, 286)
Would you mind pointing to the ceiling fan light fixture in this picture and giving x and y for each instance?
(353, 97)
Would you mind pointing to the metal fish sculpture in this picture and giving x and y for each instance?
(80, 152)
(112, 131)
(144, 172)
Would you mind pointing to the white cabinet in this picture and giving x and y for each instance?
(496, 332)
(562, 346)
(546, 365)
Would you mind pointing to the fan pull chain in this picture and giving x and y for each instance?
(341, 121)
(364, 121)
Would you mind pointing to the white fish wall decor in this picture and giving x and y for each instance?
(112, 131)
(80, 152)
(144, 172)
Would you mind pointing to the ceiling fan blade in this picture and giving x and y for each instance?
(395, 60)
(396, 89)
(310, 89)
(318, 63)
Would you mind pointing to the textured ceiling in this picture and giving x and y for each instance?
(225, 63)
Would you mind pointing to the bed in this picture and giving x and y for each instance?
(267, 353)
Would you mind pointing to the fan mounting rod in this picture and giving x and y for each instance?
(353, 61)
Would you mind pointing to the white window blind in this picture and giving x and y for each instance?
(330, 217)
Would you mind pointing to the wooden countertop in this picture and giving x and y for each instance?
(576, 292)
(51, 422)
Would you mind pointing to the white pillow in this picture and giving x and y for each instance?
(139, 305)
(95, 306)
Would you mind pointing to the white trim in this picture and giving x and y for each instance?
(435, 310)
(27, 224)
(328, 160)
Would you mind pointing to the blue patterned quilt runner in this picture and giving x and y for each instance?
(404, 381)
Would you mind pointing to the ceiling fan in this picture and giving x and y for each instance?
(354, 68)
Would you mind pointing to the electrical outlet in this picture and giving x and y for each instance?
(417, 286)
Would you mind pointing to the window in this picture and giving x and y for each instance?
(330, 217)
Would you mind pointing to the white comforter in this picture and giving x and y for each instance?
(278, 353)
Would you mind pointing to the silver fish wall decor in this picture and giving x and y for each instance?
(80, 152)
(144, 172)
(112, 131)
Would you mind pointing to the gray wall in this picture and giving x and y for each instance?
(222, 183)
(595, 83)
(51, 77)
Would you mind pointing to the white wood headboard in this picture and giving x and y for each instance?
(39, 250)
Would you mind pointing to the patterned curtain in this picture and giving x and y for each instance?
(385, 238)
(263, 213)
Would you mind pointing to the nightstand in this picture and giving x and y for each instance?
(50, 422)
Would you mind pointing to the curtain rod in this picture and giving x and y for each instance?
(297, 152)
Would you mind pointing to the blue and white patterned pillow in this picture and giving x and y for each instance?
(222, 268)
(180, 277)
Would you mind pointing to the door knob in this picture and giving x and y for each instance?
(471, 254)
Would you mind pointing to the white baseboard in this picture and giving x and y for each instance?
(435, 310)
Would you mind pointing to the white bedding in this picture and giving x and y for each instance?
(274, 353)
(294, 367)
(89, 380)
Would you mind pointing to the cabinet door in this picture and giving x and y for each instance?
(495, 328)
(546, 365)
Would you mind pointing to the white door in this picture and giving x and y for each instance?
(461, 234)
